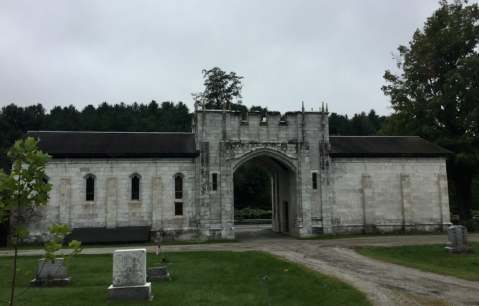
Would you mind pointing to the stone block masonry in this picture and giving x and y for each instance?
(287, 149)
(378, 195)
(113, 205)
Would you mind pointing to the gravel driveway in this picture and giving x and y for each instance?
(384, 283)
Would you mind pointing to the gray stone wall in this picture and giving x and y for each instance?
(112, 206)
(374, 195)
(289, 150)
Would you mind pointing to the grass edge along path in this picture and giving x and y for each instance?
(332, 237)
(123, 245)
(428, 258)
(198, 278)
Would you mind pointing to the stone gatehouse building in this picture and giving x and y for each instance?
(180, 185)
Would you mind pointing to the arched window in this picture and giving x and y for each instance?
(135, 188)
(178, 195)
(178, 187)
(90, 188)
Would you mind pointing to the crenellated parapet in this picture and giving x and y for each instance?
(228, 125)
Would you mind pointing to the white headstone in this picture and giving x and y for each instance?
(129, 267)
(129, 276)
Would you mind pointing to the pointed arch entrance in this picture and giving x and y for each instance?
(290, 148)
(284, 185)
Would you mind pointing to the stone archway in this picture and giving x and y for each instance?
(284, 186)
(293, 148)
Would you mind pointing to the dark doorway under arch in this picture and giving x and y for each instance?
(282, 189)
(252, 187)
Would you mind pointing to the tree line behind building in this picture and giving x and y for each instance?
(152, 117)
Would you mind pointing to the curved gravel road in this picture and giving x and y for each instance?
(383, 283)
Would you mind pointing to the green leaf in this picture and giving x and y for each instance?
(59, 229)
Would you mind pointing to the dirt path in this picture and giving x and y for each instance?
(384, 283)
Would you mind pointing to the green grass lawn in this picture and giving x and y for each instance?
(199, 278)
(430, 258)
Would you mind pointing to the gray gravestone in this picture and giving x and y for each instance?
(457, 241)
(158, 274)
(129, 276)
(51, 274)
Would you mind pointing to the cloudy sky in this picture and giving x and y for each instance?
(86, 52)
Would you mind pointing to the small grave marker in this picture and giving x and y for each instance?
(457, 240)
(158, 274)
(51, 274)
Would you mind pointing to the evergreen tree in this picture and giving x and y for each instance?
(62, 119)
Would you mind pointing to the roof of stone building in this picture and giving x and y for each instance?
(115, 144)
(384, 146)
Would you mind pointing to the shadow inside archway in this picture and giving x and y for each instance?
(284, 209)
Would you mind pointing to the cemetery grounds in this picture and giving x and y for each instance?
(231, 273)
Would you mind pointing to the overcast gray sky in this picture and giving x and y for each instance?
(86, 52)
